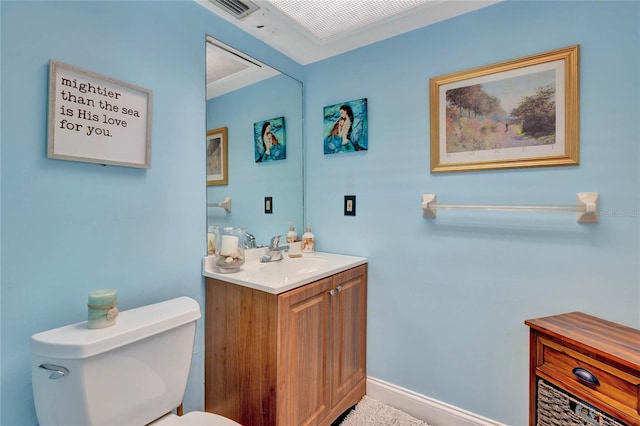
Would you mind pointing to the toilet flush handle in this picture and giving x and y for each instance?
(57, 371)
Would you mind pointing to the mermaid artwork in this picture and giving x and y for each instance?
(341, 137)
(342, 127)
(271, 147)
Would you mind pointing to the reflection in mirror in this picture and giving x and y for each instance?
(261, 109)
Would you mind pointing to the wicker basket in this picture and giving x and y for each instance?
(558, 408)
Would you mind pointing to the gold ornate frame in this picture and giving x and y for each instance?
(563, 151)
(217, 157)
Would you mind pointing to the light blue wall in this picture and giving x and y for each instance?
(69, 227)
(250, 182)
(448, 297)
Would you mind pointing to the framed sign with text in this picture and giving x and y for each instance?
(97, 119)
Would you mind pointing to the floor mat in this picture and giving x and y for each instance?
(371, 412)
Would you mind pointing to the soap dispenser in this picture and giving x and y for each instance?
(308, 241)
(292, 237)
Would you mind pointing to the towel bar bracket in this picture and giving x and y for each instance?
(226, 204)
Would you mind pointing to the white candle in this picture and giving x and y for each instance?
(229, 246)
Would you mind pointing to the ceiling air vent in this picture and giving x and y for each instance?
(239, 9)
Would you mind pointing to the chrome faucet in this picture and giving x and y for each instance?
(275, 250)
(249, 240)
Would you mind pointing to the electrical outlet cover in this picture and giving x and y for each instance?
(349, 205)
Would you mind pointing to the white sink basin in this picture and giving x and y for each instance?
(282, 275)
(291, 266)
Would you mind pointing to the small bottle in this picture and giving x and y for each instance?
(308, 241)
(292, 237)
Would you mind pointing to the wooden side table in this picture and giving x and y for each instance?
(583, 370)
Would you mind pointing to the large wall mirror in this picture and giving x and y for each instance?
(260, 111)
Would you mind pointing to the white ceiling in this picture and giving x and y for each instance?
(229, 69)
(308, 42)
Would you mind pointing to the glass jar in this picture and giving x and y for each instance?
(229, 249)
(212, 236)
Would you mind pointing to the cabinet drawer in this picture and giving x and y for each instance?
(614, 387)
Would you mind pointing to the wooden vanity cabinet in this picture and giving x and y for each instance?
(296, 358)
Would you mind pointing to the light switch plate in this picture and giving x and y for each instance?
(349, 205)
(268, 205)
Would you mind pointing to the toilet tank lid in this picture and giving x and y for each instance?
(77, 341)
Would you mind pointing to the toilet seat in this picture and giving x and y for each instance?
(194, 418)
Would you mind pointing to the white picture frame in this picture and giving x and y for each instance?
(97, 119)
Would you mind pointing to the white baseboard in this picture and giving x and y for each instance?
(437, 413)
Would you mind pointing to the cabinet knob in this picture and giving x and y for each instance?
(332, 292)
(339, 288)
(585, 376)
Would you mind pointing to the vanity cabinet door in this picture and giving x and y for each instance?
(303, 351)
(349, 316)
(322, 349)
(240, 353)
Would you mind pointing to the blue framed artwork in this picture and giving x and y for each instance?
(269, 140)
(345, 127)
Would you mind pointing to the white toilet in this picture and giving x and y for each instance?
(132, 373)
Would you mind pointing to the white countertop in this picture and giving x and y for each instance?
(283, 275)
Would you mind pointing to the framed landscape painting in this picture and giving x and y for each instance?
(217, 169)
(518, 113)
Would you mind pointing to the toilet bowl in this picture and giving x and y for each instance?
(194, 418)
(132, 373)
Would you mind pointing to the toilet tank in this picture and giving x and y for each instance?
(128, 374)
